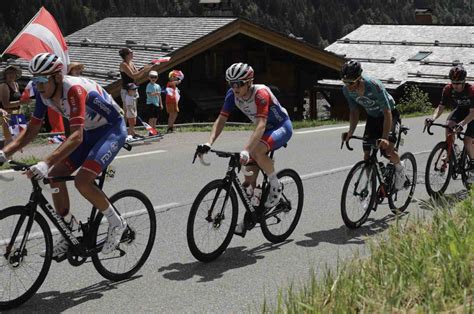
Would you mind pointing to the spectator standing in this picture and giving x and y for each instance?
(128, 71)
(9, 98)
(172, 97)
(75, 69)
(153, 99)
(130, 106)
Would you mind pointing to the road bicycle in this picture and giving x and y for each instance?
(26, 244)
(213, 216)
(445, 162)
(370, 181)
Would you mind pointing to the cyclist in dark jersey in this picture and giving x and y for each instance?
(273, 127)
(97, 134)
(459, 95)
(383, 118)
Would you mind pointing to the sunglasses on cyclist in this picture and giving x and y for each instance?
(458, 82)
(239, 84)
(350, 82)
(40, 79)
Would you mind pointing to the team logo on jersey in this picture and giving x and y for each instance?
(367, 103)
(114, 146)
(261, 99)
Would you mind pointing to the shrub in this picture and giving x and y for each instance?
(414, 100)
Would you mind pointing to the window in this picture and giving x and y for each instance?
(420, 56)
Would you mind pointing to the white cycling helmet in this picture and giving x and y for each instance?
(239, 72)
(45, 63)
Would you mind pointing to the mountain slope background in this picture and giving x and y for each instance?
(317, 21)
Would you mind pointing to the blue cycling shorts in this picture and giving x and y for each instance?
(98, 148)
(277, 137)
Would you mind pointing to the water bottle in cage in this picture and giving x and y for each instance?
(257, 194)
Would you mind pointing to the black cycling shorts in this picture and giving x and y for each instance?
(374, 129)
(457, 116)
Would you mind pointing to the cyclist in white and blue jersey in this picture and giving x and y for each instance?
(383, 119)
(273, 127)
(98, 132)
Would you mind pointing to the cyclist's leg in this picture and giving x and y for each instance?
(469, 140)
(453, 118)
(108, 144)
(272, 139)
(392, 138)
(373, 130)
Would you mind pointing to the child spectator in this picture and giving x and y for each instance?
(131, 110)
(153, 99)
(172, 97)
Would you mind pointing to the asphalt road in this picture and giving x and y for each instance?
(251, 269)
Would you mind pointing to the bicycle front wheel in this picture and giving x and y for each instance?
(465, 163)
(212, 221)
(278, 224)
(438, 170)
(137, 240)
(399, 200)
(22, 271)
(358, 194)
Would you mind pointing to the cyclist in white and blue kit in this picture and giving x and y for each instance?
(98, 132)
(383, 118)
(273, 127)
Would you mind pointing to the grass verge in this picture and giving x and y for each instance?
(421, 266)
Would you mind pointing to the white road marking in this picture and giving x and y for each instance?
(141, 154)
(327, 129)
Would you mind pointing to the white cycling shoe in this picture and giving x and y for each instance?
(274, 195)
(114, 234)
(400, 177)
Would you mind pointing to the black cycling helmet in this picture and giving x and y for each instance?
(457, 73)
(351, 70)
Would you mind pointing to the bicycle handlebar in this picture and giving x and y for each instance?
(373, 142)
(427, 128)
(221, 154)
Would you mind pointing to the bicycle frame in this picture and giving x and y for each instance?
(37, 199)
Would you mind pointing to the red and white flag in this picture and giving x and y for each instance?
(149, 128)
(41, 34)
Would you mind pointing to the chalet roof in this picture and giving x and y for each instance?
(385, 51)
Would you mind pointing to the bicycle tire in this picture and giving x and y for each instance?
(46, 233)
(196, 251)
(429, 185)
(145, 210)
(465, 161)
(266, 221)
(396, 208)
(348, 221)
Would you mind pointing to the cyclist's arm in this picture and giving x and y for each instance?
(438, 111)
(23, 139)
(470, 116)
(353, 120)
(217, 128)
(257, 134)
(64, 150)
(387, 123)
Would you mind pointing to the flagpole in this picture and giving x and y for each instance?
(13, 41)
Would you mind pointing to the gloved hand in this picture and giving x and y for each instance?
(39, 171)
(428, 121)
(244, 157)
(383, 143)
(204, 148)
(3, 157)
(458, 128)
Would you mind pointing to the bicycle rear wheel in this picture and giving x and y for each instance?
(137, 240)
(399, 200)
(212, 221)
(278, 224)
(22, 272)
(358, 194)
(438, 171)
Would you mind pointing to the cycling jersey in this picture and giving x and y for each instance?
(261, 104)
(375, 98)
(84, 103)
(460, 101)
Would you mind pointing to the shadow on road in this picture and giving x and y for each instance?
(58, 301)
(344, 235)
(233, 258)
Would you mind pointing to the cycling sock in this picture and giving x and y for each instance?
(112, 217)
(272, 177)
(399, 166)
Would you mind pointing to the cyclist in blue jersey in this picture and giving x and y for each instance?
(383, 119)
(97, 134)
(273, 127)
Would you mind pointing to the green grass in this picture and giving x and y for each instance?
(26, 160)
(420, 266)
